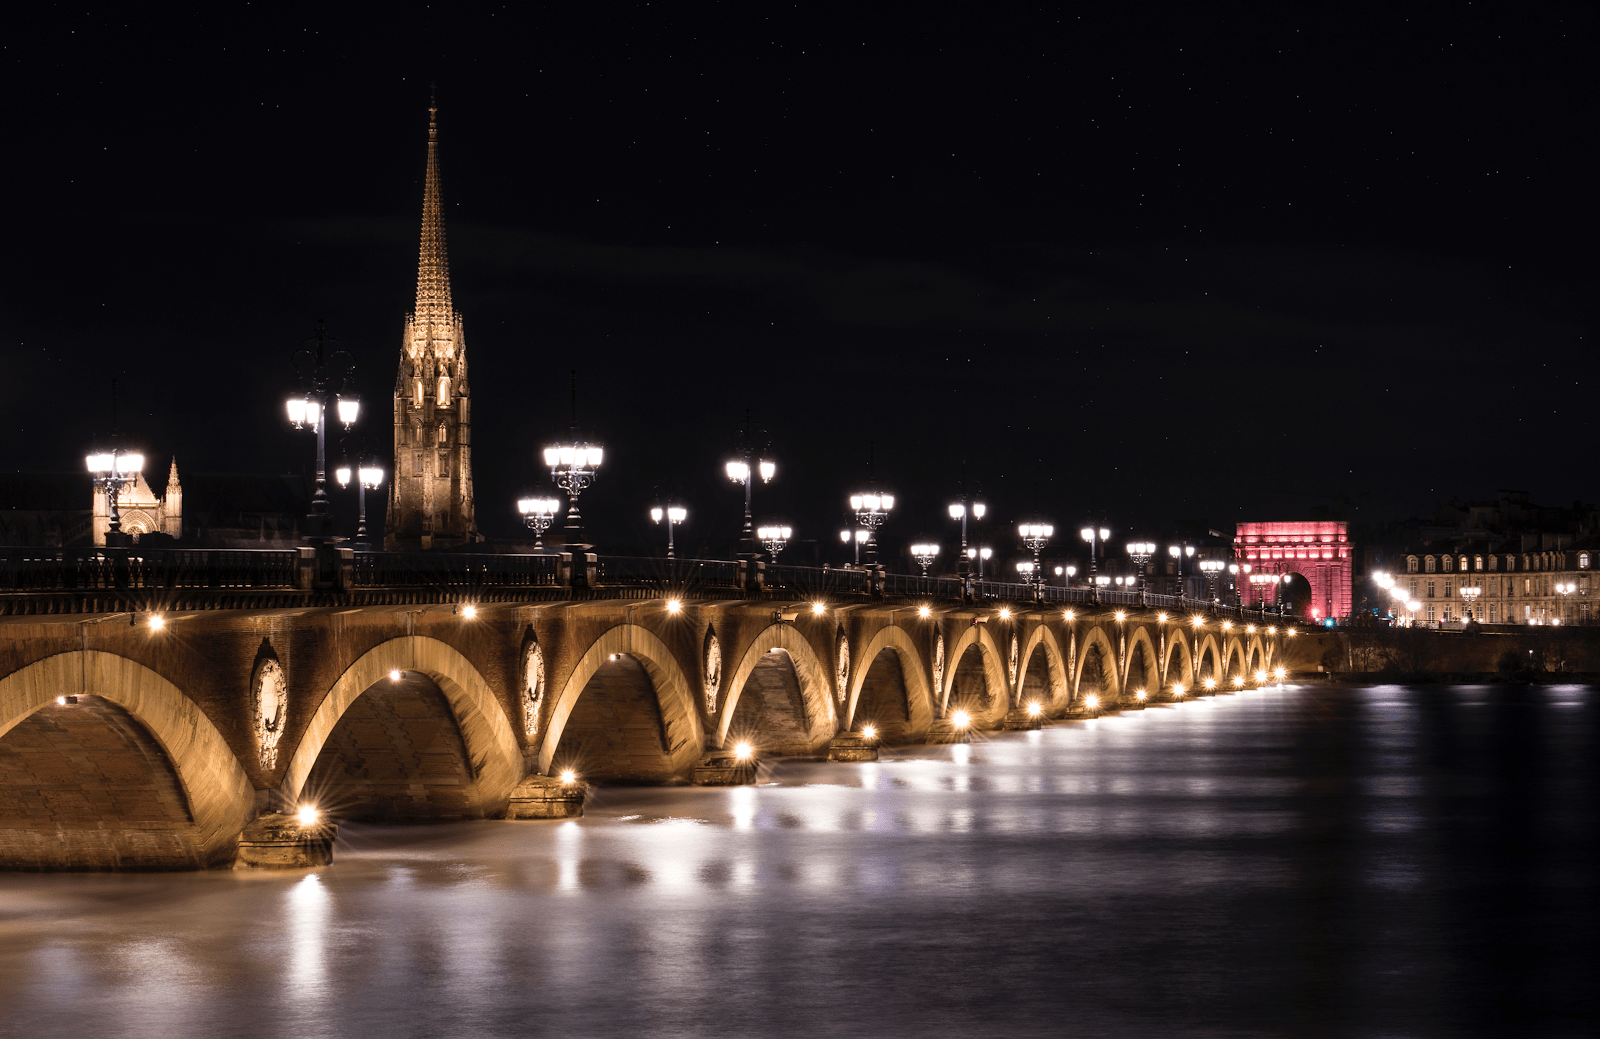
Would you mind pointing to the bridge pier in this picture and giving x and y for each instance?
(280, 841)
(853, 746)
(547, 797)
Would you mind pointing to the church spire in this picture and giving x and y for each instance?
(433, 264)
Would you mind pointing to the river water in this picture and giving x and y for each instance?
(1299, 861)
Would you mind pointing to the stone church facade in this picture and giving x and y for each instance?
(430, 496)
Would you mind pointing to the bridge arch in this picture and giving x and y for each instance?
(1142, 648)
(1232, 657)
(819, 721)
(1256, 653)
(492, 749)
(220, 797)
(914, 687)
(1043, 640)
(1093, 645)
(990, 668)
(683, 737)
(1178, 645)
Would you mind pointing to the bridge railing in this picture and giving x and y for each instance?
(48, 570)
(454, 570)
(667, 574)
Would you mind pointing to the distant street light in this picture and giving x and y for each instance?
(925, 553)
(1066, 573)
(538, 514)
(368, 477)
(1471, 594)
(743, 469)
(1094, 536)
(671, 515)
(1212, 569)
(1140, 552)
(982, 555)
(774, 538)
(324, 378)
(1178, 552)
(959, 511)
(858, 536)
(1035, 536)
(871, 509)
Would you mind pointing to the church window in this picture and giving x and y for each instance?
(444, 390)
(416, 391)
(444, 433)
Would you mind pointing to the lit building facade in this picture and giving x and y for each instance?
(430, 497)
(1542, 586)
(1318, 551)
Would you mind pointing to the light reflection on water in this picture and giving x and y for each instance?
(1289, 862)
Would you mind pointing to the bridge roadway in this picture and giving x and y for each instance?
(152, 705)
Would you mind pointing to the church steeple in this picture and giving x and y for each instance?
(430, 498)
(433, 262)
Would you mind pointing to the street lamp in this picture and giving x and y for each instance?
(1563, 589)
(671, 515)
(1140, 552)
(112, 471)
(538, 514)
(1178, 552)
(871, 509)
(573, 467)
(1233, 578)
(924, 553)
(857, 535)
(774, 538)
(1093, 535)
(1066, 573)
(1025, 572)
(1212, 569)
(743, 470)
(959, 511)
(368, 477)
(324, 376)
(982, 555)
(1035, 536)
(1471, 596)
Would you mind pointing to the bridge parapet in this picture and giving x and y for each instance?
(66, 581)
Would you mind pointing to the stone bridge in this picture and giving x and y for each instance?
(151, 707)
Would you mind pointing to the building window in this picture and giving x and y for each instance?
(1446, 615)
(444, 433)
(417, 392)
(1477, 562)
(1430, 613)
(1430, 593)
(1494, 610)
(1492, 562)
(1447, 589)
(444, 390)
(1428, 564)
(1449, 563)
(1583, 560)
(1411, 564)
(1413, 588)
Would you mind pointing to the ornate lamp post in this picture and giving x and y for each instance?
(573, 467)
(1035, 536)
(1094, 536)
(959, 511)
(1212, 569)
(774, 538)
(671, 515)
(982, 555)
(538, 514)
(1025, 572)
(925, 553)
(742, 468)
(1563, 589)
(871, 509)
(324, 377)
(1140, 552)
(856, 535)
(1233, 577)
(368, 478)
(112, 471)
(1178, 552)
(1471, 596)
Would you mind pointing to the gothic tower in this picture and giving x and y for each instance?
(430, 497)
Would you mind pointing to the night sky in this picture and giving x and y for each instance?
(1165, 268)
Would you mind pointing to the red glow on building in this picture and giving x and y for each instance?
(1315, 550)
